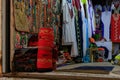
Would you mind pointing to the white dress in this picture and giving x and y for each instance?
(106, 19)
(91, 20)
(69, 34)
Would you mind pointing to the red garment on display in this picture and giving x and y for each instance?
(45, 49)
(44, 59)
(46, 33)
(45, 42)
(115, 28)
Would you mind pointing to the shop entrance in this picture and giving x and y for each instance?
(70, 48)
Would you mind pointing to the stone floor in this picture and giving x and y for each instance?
(113, 75)
(115, 72)
(87, 64)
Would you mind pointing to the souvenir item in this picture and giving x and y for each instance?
(45, 42)
(21, 39)
(27, 14)
(25, 60)
(46, 33)
(32, 40)
(115, 25)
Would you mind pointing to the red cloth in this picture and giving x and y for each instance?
(45, 43)
(77, 4)
(44, 59)
(45, 48)
(115, 28)
(46, 33)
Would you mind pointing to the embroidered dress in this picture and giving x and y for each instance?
(115, 26)
(78, 27)
(69, 35)
(27, 15)
(91, 20)
(66, 20)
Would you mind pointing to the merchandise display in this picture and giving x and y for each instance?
(60, 32)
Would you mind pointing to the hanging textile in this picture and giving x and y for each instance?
(55, 22)
(106, 19)
(46, 41)
(99, 32)
(69, 34)
(21, 39)
(27, 15)
(91, 19)
(78, 27)
(115, 23)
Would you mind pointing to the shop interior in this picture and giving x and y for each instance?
(65, 35)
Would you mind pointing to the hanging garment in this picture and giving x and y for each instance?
(106, 19)
(91, 20)
(55, 22)
(69, 35)
(99, 32)
(45, 42)
(78, 27)
(21, 22)
(115, 25)
(84, 11)
(27, 15)
(66, 23)
(45, 47)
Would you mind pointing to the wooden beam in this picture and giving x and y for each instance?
(12, 33)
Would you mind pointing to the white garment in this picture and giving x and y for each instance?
(106, 19)
(66, 26)
(69, 34)
(91, 20)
